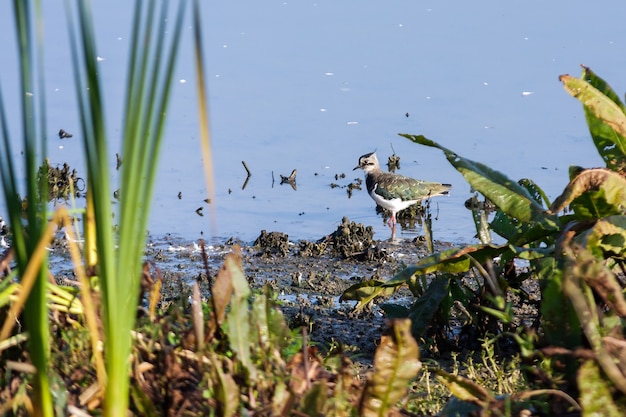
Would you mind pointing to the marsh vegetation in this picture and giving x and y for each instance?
(342, 326)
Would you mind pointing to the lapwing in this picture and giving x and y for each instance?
(396, 192)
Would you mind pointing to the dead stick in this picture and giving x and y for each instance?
(246, 167)
(305, 357)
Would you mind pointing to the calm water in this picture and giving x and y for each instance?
(313, 85)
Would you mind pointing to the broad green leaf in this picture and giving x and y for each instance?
(593, 193)
(396, 362)
(607, 237)
(533, 253)
(579, 268)
(535, 191)
(315, 399)
(395, 311)
(513, 229)
(425, 307)
(366, 291)
(596, 398)
(453, 261)
(558, 318)
(459, 408)
(506, 226)
(480, 215)
(238, 318)
(604, 113)
(280, 399)
(227, 389)
(598, 103)
(582, 263)
(599, 83)
(508, 195)
(503, 310)
(269, 322)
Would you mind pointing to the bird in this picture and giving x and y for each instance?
(396, 192)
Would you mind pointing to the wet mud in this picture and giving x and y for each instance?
(308, 278)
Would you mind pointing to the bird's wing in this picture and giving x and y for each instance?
(409, 189)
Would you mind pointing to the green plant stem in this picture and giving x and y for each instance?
(29, 24)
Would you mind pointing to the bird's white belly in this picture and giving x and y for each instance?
(394, 205)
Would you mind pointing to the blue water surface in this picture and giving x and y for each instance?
(313, 85)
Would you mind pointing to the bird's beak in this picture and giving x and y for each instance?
(356, 167)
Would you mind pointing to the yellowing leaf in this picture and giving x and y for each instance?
(598, 103)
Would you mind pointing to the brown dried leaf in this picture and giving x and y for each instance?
(303, 372)
(222, 291)
(590, 180)
(594, 272)
(396, 362)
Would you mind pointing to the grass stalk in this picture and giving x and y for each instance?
(203, 110)
(150, 72)
(27, 236)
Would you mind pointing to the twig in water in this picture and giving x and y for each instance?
(246, 167)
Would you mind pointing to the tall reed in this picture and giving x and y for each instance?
(27, 233)
(151, 65)
(154, 46)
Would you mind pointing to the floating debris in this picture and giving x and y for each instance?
(393, 163)
(246, 167)
(64, 134)
(249, 174)
(354, 185)
(291, 180)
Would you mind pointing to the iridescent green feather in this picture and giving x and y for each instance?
(392, 186)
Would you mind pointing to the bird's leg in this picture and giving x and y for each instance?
(392, 220)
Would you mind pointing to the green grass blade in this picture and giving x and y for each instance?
(117, 340)
(28, 22)
(150, 73)
(205, 132)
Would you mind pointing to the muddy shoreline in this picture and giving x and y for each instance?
(308, 278)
